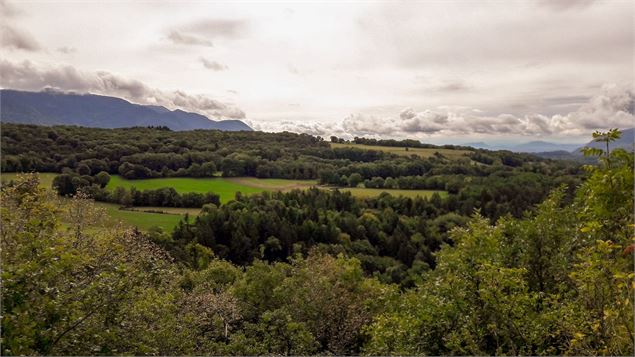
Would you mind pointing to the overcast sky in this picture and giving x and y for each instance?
(436, 71)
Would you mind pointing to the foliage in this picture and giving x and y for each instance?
(71, 290)
(502, 182)
(559, 281)
(314, 272)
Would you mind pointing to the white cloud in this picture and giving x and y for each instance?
(28, 76)
(350, 66)
(612, 107)
(14, 38)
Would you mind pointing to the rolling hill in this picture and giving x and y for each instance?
(97, 111)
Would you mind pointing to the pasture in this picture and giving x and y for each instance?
(374, 192)
(226, 188)
(142, 219)
(421, 152)
(136, 218)
(46, 178)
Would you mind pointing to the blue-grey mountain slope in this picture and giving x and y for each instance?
(89, 110)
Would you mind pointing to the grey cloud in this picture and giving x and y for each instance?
(213, 65)
(201, 32)
(456, 86)
(129, 88)
(612, 107)
(561, 5)
(566, 100)
(312, 128)
(425, 122)
(67, 50)
(215, 28)
(7, 10)
(180, 38)
(492, 37)
(14, 38)
(27, 76)
(293, 69)
(11, 36)
(407, 114)
(361, 124)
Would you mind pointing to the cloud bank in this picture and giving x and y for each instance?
(613, 107)
(12, 37)
(27, 76)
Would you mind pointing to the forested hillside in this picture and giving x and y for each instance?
(497, 181)
(318, 272)
(395, 238)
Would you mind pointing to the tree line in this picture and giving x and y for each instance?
(153, 152)
(71, 183)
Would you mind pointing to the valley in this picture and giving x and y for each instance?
(146, 217)
(364, 223)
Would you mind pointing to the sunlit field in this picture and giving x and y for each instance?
(421, 152)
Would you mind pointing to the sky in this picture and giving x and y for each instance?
(436, 71)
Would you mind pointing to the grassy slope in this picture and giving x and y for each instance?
(273, 184)
(421, 152)
(46, 178)
(373, 192)
(225, 187)
(142, 220)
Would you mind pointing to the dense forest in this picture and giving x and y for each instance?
(302, 273)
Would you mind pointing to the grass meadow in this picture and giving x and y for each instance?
(421, 152)
(225, 187)
(374, 192)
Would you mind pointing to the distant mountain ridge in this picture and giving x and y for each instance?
(546, 148)
(98, 111)
(530, 147)
(626, 141)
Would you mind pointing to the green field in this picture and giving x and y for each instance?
(421, 152)
(226, 188)
(167, 210)
(46, 178)
(272, 184)
(141, 220)
(374, 192)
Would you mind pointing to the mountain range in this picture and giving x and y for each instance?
(90, 110)
(625, 141)
(531, 147)
(542, 147)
